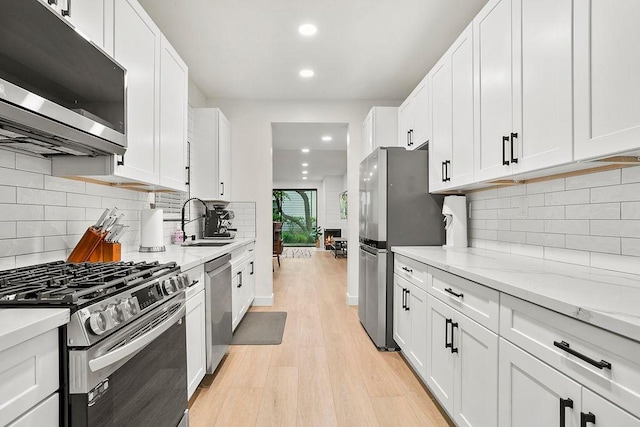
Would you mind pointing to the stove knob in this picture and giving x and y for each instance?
(184, 279)
(130, 308)
(169, 286)
(98, 322)
(117, 313)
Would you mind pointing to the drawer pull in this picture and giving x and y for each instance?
(404, 301)
(563, 345)
(408, 293)
(407, 269)
(564, 404)
(453, 293)
(448, 344)
(587, 418)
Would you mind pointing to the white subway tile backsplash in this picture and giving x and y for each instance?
(512, 190)
(618, 193)
(12, 247)
(511, 213)
(484, 234)
(512, 236)
(13, 212)
(79, 227)
(491, 193)
(536, 225)
(630, 246)
(84, 200)
(18, 178)
(62, 184)
(7, 262)
(546, 239)
(491, 224)
(566, 226)
(527, 250)
(33, 164)
(7, 159)
(498, 203)
(567, 255)
(485, 214)
(620, 228)
(630, 210)
(7, 230)
(54, 243)
(631, 175)
(41, 228)
(593, 243)
(571, 197)
(7, 194)
(546, 212)
(593, 211)
(57, 213)
(478, 204)
(37, 258)
(599, 179)
(32, 196)
(545, 186)
(626, 264)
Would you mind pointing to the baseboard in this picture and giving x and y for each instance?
(263, 301)
(352, 300)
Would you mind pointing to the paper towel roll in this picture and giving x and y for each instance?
(151, 230)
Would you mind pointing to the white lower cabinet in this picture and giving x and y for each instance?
(410, 321)
(243, 284)
(462, 365)
(46, 414)
(196, 338)
(534, 394)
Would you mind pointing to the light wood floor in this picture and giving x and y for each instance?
(326, 372)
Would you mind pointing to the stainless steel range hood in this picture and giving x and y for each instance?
(59, 93)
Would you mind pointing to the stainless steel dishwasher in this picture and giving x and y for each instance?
(218, 309)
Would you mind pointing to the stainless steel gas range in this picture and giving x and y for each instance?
(123, 353)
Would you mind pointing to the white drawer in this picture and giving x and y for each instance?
(46, 414)
(411, 270)
(29, 372)
(196, 274)
(478, 302)
(536, 329)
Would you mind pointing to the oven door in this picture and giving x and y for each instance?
(136, 377)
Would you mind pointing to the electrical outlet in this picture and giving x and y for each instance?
(523, 207)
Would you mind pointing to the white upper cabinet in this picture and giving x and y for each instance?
(88, 16)
(379, 129)
(523, 74)
(211, 159)
(606, 70)
(173, 117)
(451, 146)
(414, 118)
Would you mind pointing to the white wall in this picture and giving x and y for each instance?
(251, 158)
(333, 186)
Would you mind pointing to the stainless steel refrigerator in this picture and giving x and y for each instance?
(396, 209)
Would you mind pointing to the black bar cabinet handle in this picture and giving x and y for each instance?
(408, 294)
(222, 186)
(505, 162)
(587, 418)
(67, 11)
(514, 159)
(408, 270)
(449, 290)
(564, 404)
(194, 282)
(448, 170)
(404, 304)
(121, 161)
(564, 346)
(240, 279)
(448, 344)
(408, 140)
(252, 266)
(410, 136)
(453, 325)
(444, 172)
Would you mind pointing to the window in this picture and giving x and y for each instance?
(297, 209)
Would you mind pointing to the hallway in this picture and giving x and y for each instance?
(326, 372)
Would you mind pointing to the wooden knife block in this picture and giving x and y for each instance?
(106, 252)
(86, 246)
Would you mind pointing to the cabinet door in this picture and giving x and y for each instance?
(236, 302)
(204, 154)
(440, 146)
(421, 114)
(173, 117)
(401, 317)
(45, 414)
(417, 310)
(252, 280)
(367, 135)
(531, 392)
(196, 341)
(405, 124)
(493, 60)
(543, 92)
(606, 413)
(460, 169)
(606, 70)
(136, 48)
(88, 16)
(224, 158)
(440, 359)
(476, 374)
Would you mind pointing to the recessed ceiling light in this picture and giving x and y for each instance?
(305, 150)
(305, 172)
(304, 165)
(304, 177)
(327, 138)
(306, 73)
(307, 29)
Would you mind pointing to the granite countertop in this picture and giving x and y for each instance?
(18, 325)
(604, 298)
(186, 257)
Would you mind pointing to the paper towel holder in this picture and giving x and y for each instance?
(152, 248)
(149, 228)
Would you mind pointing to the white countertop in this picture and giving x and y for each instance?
(21, 324)
(604, 298)
(186, 257)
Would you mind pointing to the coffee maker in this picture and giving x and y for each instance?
(217, 223)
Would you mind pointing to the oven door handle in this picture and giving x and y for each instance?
(136, 345)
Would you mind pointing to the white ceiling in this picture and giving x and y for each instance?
(364, 49)
(324, 158)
